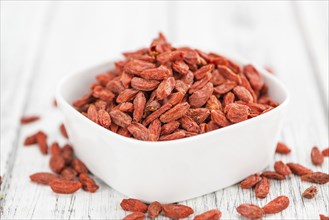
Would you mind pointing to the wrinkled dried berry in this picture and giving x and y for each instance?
(133, 205)
(176, 211)
(276, 205)
(310, 192)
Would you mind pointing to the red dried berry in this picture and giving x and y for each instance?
(316, 177)
(325, 152)
(29, 119)
(41, 138)
(63, 131)
(262, 188)
(281, 168)
(298, 169)
(282, 148)
(316, 156)
(43, 178)
(68, 174)
(133, 205)
(154, 209)
(135, 216)
(88, 184)
(65, 186)
(276, 205)
(323, 217)
(213, 214)
(273, 175)
(250, 211)
(55, 149)
(176, 211)
(79, 166)
(250, 181)
(310, 192)
(56, 163)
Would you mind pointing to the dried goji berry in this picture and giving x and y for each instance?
(144, 84)
(281, 168)
(237, 112)
(65, 186)
(316, 156)
(133, 205)
(273, 175)
(68, 174)
(154, 209)
(30, 140)
(67, 154)
(254, 77)
(323, 217)
(29, 119)
(88, 184)
(159, 73)
(169, 127)
(262, 188)
(139, 106)
(213, 214)
(189, 124)
(43, 178)
(120, 118)
(282, 148)
(325, 152)
(139, 131)
(250, 181)
(104, 118)
(154, 130)
(298, 169)
(79, 166)
(175, 113)
(276, 205)
(56, 163)
(173, 136)
(176, 211)
(63, 130)
(200, 97)
(199, 115)
(135, 216)
(310, 192)
(41, 138)
(316, 177)
(250, 211)
(55, 149)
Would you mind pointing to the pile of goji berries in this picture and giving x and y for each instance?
(70, 174)
(261, 183)
(164, 93)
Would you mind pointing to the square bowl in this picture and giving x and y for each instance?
(172, 171)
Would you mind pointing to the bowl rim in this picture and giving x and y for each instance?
(131, 141)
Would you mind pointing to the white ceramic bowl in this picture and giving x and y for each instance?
(171, 171)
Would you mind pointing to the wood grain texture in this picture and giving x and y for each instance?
(50, 39)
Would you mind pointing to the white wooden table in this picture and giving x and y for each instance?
(43, 41)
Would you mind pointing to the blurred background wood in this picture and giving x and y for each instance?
(43, 41)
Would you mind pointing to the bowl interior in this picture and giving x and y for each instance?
(77, 84)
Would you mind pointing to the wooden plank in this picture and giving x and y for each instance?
(21, 47)
(312, 17)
